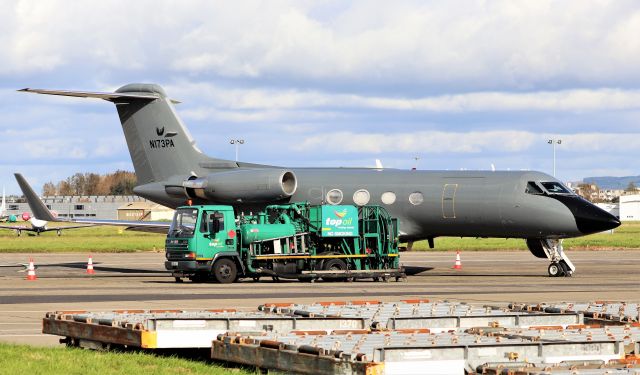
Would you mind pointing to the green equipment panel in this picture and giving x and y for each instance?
(339, 221)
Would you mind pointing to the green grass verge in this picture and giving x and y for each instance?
(115, 239)
(627, 236)
(23, 359)
(95, 239)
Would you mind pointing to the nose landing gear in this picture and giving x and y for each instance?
(560, 263)
(558, 269)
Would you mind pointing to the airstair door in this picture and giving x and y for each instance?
(449, 201)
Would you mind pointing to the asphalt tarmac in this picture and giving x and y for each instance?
(139, 281)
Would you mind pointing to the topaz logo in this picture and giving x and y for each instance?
(159, 131)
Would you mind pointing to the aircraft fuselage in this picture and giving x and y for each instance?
(430, 204)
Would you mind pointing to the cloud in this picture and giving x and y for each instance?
(435, 142)
(283, 99)
(54, 148)
(391, 46)
(469, 83)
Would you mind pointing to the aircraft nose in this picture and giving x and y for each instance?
(589, 217)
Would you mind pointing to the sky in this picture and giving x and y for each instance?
(455, 84)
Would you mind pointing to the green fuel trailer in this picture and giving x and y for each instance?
(295, 240)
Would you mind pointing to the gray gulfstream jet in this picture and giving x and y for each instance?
(171, 170)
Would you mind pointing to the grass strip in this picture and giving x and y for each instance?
(117, 240)
(23, 359)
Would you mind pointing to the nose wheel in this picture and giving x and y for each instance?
(559, 269)
(560, 263)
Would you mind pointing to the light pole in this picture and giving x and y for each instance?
(236, 142)
(554, 142)
(416, 158)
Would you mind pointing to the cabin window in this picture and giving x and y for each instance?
(555, 188)
(361, 197)
(334, 196)
(416, 198)
(388, 197)
(532, 188)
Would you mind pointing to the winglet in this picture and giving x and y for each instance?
(40, 211)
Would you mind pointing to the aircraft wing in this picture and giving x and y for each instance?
(16, 227)
(48, 229)
(40, 211)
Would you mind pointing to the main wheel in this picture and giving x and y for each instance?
(555, 270)
(224, 271)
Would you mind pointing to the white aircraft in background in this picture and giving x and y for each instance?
(3, 208)
(38, 226)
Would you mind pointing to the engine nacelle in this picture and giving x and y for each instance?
(243, 185)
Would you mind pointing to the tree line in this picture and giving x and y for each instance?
(116, 183)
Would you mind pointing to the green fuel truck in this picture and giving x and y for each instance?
(294, 241)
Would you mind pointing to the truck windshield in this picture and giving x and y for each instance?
(184, 223)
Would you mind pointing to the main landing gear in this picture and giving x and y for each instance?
(560, 263)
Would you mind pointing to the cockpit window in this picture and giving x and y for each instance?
(534, 189)
(555, 188)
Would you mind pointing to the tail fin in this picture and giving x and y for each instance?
(159, 143)
(38, 208)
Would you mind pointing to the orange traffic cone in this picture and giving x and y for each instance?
(90, 270)
(31, 271)
(458, 264)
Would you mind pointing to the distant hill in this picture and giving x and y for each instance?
(610, 182)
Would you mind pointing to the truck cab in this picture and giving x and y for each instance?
(201, 242)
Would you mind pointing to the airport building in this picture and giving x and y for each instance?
(110, 207)
(630, 207)
(147, 211)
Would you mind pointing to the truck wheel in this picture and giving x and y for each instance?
(335, 265)
(224, 271)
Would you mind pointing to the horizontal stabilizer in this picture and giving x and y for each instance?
(110, 96)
